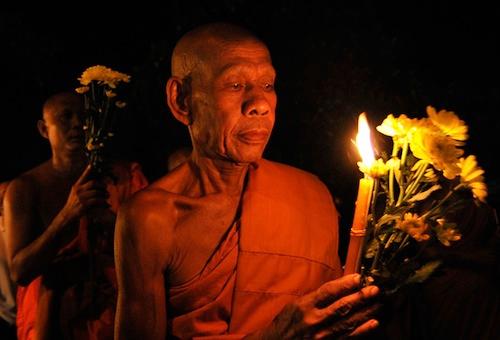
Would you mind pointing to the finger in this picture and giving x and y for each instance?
(343, 306)
(90, 197)
(93, 182)
(92, 193)
(95, 199)
(335, 289)
(84, 175)
(351, 324)
(92, 185)
(367, 327)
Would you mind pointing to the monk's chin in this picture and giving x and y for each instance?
(248, 157)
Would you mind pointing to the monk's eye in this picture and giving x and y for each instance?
(269, 87)
(236, 86)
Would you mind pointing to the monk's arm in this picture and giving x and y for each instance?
(141, 310)
(32, 247)
(29, 252)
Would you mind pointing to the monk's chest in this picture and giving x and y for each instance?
(52, 197)
(199, 232)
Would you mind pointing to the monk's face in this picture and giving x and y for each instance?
(233, 102)
(63, 120)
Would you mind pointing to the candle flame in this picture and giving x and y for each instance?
(363, 141)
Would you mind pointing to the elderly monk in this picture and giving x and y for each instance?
(46, 240)
(228, 244)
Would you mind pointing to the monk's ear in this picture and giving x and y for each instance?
(138, 179)
(178, 95)
(42, 128)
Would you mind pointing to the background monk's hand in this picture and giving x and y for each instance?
(338, 308)
(86, 193)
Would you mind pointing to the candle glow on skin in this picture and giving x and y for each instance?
(363, 200)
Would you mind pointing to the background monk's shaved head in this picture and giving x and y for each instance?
(204, 42)
(54, 102)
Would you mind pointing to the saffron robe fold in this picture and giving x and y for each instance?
(287, 247)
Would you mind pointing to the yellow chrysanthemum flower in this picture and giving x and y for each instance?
(472, 176)
(400, 128)
(82, 90)
(376, 170)
(413, 225)
(438, 149)
(120, 104)
(479, 190)
(394, 163)
(430, 175)
(449, 123)
(469, 171)
(103, 75)
(110, 94)
(447, 232)
(98, 73)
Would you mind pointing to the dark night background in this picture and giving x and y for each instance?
(333, 62)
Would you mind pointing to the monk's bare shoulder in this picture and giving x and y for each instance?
(148, 219)
(25, 187)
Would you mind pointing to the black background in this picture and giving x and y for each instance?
(333, 62)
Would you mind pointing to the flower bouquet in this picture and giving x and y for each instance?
(99, 87)
(417, 188)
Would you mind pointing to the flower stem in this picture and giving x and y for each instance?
(448, 195)
(413, 186)
(402, 183)
(374, 199)
(395, 149)
(377, 254)
(401, 246)
(404, 153)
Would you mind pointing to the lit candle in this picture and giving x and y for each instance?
(363, 200)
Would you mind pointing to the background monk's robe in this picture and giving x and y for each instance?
(66, 307)
(283, 245)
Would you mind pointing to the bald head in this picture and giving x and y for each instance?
(222, 89)
(59, 100)
(204, 43)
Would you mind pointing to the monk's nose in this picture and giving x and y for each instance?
(76, 121)
(256, 103)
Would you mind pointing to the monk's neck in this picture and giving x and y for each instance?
(219, 176)
(69, 165)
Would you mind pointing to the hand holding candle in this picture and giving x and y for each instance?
(363, 200)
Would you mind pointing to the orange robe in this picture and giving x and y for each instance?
(26, 299)
(76, 322)
(79, 316)
(283, 246)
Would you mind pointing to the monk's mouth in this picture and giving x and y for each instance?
(256, 136)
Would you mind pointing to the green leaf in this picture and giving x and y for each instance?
(423, 195)
(424, 272)
(386, 219)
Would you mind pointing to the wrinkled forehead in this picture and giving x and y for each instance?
(220, 56)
